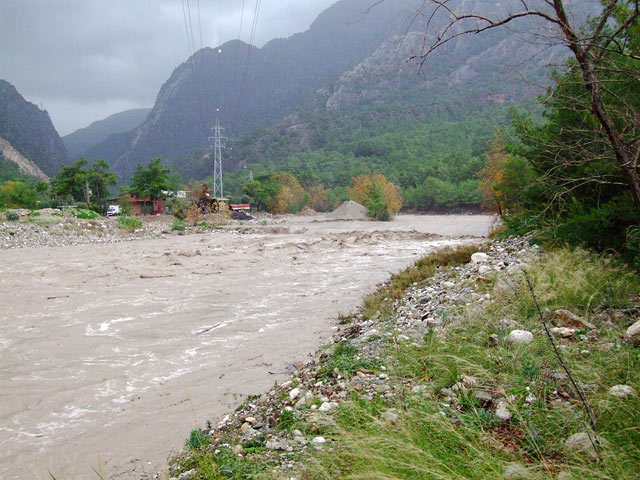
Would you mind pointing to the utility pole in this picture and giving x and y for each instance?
(218, 192)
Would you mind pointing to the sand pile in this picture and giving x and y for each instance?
(349, 210)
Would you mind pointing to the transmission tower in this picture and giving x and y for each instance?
(218, 192)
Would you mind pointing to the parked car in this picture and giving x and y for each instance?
(113, 210)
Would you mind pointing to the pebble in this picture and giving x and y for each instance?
(237, 450)
(293, 394)
(275, 445)
(563, 332)
(622, 391)
(565, 318)
(520, 337)
(581, 443)
(484, 397)
(391, 417)
(187, 475)
(327, 406)
(503, 413)
(480, 257)
(420, 389)
(633, 332)
(515, 471)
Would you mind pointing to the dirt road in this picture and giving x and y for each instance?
(110, 354)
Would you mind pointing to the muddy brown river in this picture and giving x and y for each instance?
(111, 354)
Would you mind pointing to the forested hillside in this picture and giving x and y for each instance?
(29, 130)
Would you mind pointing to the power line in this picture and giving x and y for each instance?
(194, 65)
(237, 55)
(200, 27)
(186, 28)
(256, 13)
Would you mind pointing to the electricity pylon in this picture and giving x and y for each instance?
(218, 192)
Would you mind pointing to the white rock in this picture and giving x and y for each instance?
(391, 417)
(187, 475)
(327, 406)
(293, 394)
(479, 257)
(622, 391)
(633, 332)
(563, 332)
(275, 445)
(581, 443)
(419, 389)
(531, 398)
(520, 337)
(515, 471)
(237, 450)
(251, 420)
(503, 413)
(484, 269)
(319, 440)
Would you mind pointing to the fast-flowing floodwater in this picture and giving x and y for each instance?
(111, 354)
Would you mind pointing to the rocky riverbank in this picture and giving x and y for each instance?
(61, 228)
(277, 430)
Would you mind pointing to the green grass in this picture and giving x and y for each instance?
(347, 360)
(178, 225)
(84, 214)
(465, 441)
(129, 223)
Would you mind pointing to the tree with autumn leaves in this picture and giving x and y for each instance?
(381, 197)
(504, 180)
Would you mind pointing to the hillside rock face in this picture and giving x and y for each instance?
(25, 165)
(29, 131)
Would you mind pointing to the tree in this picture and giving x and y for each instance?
(150, 182)
(261, 190)
(99, 178)
(18, 195)
(290, 197)
(605, 52)
(362, 187)
(320, 198)
(71, 181)
(504, 179)
(376, 202)
(83, 184)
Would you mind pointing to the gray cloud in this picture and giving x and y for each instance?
(83, 60)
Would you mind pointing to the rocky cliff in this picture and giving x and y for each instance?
(29, 131)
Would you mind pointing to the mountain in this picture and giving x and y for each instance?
(353, 67)
(81, 140)
(250, 86)
(29, 131)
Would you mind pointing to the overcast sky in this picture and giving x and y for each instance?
(83, 60)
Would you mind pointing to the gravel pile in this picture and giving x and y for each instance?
(349, 210)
